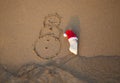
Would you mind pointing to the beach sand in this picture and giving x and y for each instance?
(31, 40)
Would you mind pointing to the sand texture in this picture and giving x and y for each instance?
(33, 49)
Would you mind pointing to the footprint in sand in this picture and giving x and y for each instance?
(35, 73)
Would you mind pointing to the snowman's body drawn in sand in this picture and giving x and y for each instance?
(48, 44)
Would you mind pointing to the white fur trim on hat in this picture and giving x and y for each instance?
(72, 38)
(73, 46)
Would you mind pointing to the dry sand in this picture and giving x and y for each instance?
(31, 32)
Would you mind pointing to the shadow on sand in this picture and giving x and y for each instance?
(99, 69)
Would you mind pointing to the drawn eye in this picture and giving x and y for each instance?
(48, 40)
(46, 47)
(50, 28)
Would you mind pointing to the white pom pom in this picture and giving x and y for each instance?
(65, 35)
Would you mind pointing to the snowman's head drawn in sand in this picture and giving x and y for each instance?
(52, 20)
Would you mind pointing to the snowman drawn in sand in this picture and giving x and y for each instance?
(48, 44)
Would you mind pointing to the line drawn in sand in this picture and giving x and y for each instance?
(48, 45)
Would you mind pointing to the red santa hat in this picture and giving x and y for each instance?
(72, 38)
(70, 34)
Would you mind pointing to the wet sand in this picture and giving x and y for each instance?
(26, 24)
